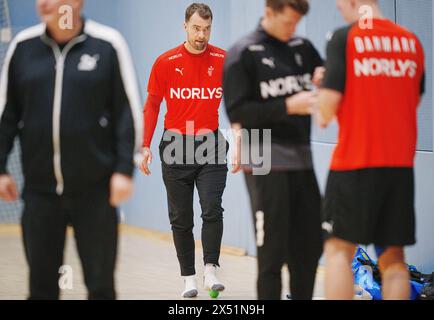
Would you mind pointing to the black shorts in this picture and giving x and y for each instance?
(371, 206)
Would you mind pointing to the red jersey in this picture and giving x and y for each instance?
(191, 84)
(382, 83)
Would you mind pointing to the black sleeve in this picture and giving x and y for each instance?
(336, 65)
(123, 119)
(10, 114)
(315, 57)
(239, 97)
(422, 84)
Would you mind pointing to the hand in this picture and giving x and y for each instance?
(121, 189)
(320, 121)
(8, 188)
(236, 155)
(302, 103)
(236, 161)
(318, 76)
(147, 160)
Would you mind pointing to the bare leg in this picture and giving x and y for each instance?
(395, 275)
(339, 279)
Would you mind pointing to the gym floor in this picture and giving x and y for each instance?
(147, 269)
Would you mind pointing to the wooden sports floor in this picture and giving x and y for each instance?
(147, 269)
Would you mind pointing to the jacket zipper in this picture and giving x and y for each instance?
(60, 57)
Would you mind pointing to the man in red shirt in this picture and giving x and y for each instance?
(373, 83)
(189, 78)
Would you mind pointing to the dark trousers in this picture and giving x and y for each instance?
(286, 210)
(210, 181)
(44, 223)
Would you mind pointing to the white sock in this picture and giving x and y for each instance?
(210, 280)
(190, 290)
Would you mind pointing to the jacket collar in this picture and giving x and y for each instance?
(46, 36)
(267, 37)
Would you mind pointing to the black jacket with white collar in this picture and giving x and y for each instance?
(75, 108)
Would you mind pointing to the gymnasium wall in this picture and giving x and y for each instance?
(152, 27)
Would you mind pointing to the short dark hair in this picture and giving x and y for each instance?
(301, 6)
(202, 9)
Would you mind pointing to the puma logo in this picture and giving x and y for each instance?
(328, 227)
(181, 71)
(269, 62)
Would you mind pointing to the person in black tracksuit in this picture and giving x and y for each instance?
(75, 106)
(267, 74)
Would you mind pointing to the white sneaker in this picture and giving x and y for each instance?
(190, 287)
(210, 281)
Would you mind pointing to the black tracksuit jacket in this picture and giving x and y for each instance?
(75, 108)
(260, 73)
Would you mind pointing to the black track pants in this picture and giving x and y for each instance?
(210, 181)
(286, 210)
(95, 224)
